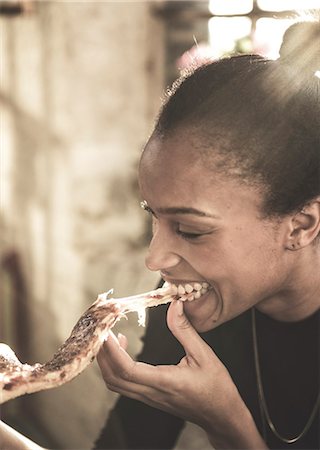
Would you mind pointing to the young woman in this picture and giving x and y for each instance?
(231, 176)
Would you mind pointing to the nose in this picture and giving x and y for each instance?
(161, 255)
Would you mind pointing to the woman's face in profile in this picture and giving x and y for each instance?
(208, 228)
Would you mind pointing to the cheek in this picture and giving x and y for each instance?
(213, 259)
(235, 260)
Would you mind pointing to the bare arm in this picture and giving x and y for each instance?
(199, 389)
(10, 439)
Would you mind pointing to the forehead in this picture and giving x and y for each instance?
(173, 159)
(173, 174)
(180, 147)
(188, 147)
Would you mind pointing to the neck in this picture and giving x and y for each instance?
(299, 299)
(285, 313)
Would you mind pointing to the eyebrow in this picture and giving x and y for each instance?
(180, 210)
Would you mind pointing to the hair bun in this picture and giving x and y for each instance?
(300, 47)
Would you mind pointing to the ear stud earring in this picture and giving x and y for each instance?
(295, 246)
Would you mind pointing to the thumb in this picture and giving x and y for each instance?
(123, 341)
(182, 329)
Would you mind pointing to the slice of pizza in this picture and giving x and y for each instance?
(83, 344)
(77, 352)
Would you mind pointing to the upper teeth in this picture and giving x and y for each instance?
(189, 291)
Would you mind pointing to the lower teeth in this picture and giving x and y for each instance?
(194, 296)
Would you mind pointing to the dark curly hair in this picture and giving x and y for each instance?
(259, 116)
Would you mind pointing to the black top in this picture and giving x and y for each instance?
(289, 360)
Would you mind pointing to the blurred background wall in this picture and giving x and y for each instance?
(81, 83)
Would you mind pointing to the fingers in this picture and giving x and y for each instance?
(117, 367)
(120, 370)
(157, 386)
(123, 341)
(112, 358)
(182, 329)
(163, 387)
(146, 382)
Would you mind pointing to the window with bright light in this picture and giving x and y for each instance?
(227, 33)
(288, 5)
(268, 36)
(230, 7)
(246, 26)
(253, 26)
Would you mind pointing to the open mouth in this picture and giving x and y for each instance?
(189, 291)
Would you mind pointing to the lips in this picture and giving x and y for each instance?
(189, 291)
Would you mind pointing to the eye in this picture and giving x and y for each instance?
(189, 236)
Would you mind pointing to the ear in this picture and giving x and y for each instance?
(304, 226)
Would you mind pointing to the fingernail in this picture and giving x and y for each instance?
(179, 307)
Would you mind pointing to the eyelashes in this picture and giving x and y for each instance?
(188, 236)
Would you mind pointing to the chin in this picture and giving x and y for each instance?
(203, 327)
(204, 314)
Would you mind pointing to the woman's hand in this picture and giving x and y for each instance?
(199, 389)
